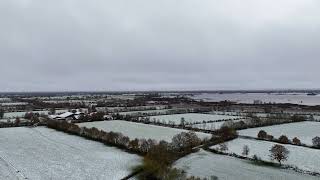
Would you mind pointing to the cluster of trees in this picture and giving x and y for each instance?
(282, 139)
(227, 123)
(255, 121)
(277, 152)
(158, 157)
(134, 108)
(15, 123)
(285, 140)
(41, 104)
(264, 135)
(181, 143)
(33, 117)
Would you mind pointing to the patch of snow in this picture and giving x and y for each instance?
(192, 117)
(305, 131)
(139, 130)
(206, 164)
(304, 158)
(42, 153)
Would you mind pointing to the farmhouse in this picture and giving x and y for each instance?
(67, 116)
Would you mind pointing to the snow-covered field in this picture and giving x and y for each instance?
(139, 130)
(206, 164)
(146, 112)
(305, 131)
(212, 126)
(191, 117)
(304, 158)
(21, 114)
(13, 103)
(41, 153)
(298, 98)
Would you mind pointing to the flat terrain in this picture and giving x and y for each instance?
(42, 153)
(145, 112)
(305, 131)
(211, 126)
(192, 117)
(139, 130)
(21, 114)
(206, 164)
(297, 98)
(304, 158)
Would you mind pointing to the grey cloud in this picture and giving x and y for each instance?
(158, 45)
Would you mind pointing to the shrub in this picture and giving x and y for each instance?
(296, 141)
(283, 139)
(262, 134)
(316, 142)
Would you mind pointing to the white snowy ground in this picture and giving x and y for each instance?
(192, 117)
(206, 164)
(7, 173)
(139, 130)
(305, 131)
(211, 126)
(143, 112)
(21, 114)
(41, 153)
(304, 158)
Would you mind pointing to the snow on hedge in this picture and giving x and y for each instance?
(143, 112)
(212, 125)
(41, 153)
(301, 157)
(139, 130)
(192, 118)
(305, 131)
(21, 114)
(206, 164)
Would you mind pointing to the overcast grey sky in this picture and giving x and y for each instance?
(53, 45)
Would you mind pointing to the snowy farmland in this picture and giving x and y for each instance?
(139, 130)
(206, 164)
(212, 126)
(304, 158)
(41, 153)
(21, 114)
(305, 131)
(146, 112)
(192, 118)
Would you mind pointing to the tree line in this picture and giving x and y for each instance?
(158, 156)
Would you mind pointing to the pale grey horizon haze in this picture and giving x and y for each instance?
(110, 45)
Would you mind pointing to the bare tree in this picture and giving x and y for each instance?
(245, 150)
(17, 121)
(1, 113)
(279, 153)
(223, 147)
(182, 122)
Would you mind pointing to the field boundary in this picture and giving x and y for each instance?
(278, 142)
(263, 162)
